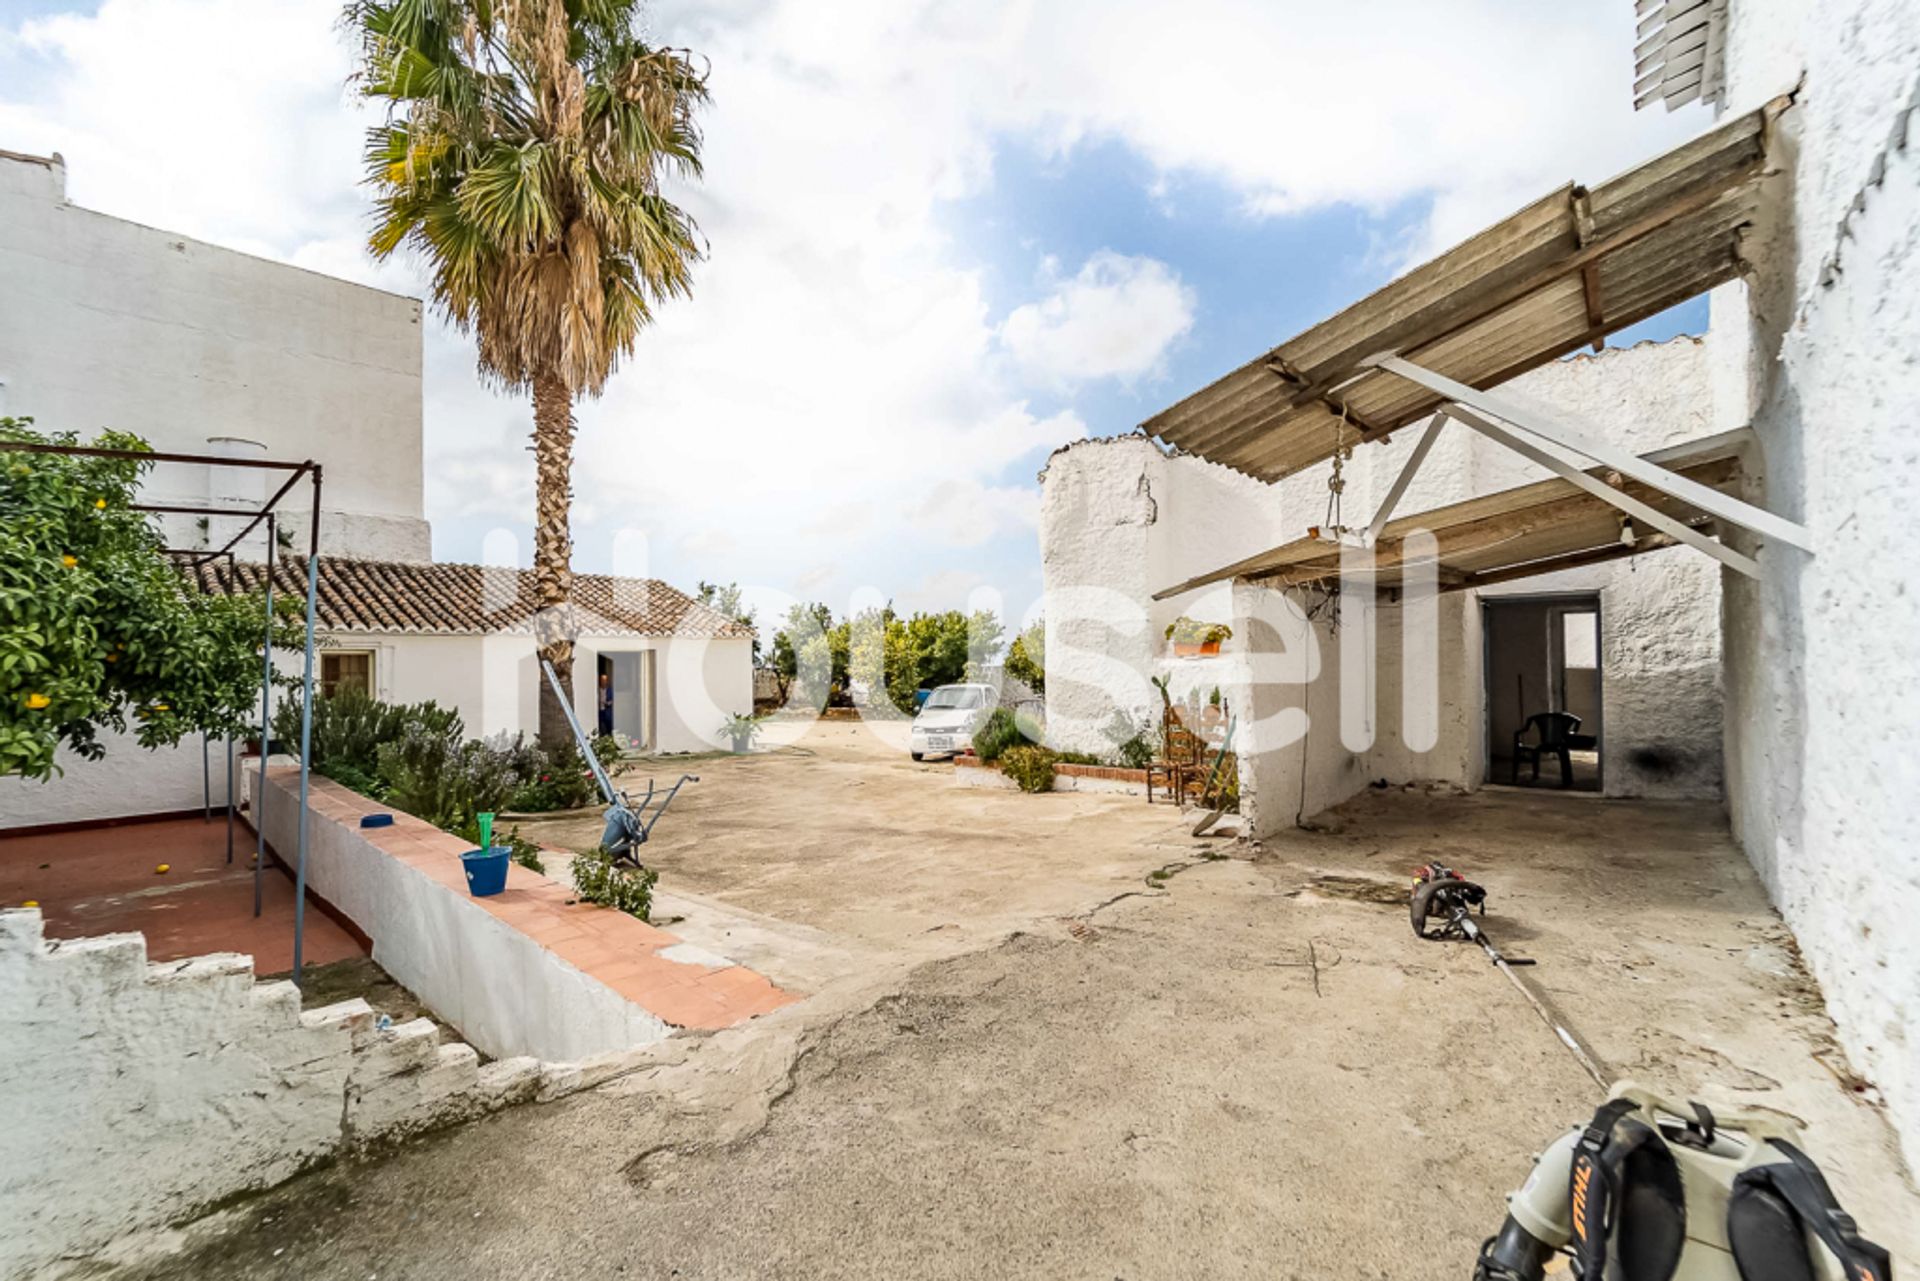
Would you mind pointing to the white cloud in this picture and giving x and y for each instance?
(1115, 318)
(839, 364)
(970, 513)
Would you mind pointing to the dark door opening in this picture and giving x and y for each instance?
(1543, 689)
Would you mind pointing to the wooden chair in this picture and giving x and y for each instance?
(1182, 763)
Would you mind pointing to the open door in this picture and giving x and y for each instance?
(1543, 690)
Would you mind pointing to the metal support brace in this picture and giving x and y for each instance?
(1607, 493)
(1535, 424)
(1405, 478)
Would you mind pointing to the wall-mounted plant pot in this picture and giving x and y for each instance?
(1195, 649)
(486, 870)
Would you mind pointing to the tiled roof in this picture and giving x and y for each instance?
(397, 596)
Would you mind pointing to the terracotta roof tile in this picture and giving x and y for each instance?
(395, 596)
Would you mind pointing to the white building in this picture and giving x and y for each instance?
(1124, 517)
(201, 350)
(1784, 677)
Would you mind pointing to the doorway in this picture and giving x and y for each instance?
(622, 701)
(1543, 678)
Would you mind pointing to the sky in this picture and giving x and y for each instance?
(944, 240)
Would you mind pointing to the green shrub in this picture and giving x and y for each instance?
(1031, 767)
(597, 880)
(1133, 741)
(349, 728)
(447, 782)
(553, 781)
(996, 734)
(1077, 758)
(611, 752)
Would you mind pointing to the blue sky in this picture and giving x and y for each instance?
(1259, 280)
(945, 239)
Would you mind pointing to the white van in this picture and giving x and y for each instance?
(946, 721)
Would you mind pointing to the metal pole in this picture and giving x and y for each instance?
(229, 799)
(266, 727)
(206, 781)
(306, 732)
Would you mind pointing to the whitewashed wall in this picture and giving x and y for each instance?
(1119, 520)
(129, 780)
(106, 323)
(136, 1095)
(1823, 684)
(505, 992)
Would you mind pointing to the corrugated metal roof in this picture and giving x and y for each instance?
(1560, 274)
(1680, 54)
(1534, 529)
(474, 600)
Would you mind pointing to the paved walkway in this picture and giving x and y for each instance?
(105, 880)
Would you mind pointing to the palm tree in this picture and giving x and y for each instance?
(521, 158)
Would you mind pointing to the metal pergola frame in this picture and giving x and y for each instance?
(1526, 430)
(267, 512)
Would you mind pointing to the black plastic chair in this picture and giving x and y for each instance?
(1559, 733)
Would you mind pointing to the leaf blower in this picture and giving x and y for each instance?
(1652, 1190)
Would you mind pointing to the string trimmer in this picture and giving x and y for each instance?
(1440, 892)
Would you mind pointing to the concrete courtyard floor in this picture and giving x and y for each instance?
(1024, 1056)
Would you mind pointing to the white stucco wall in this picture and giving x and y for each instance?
(106, 323)
(1119, 520)
(130, 780)
(190, 1082)
(1821, 672)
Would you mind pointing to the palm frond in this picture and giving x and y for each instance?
(523, 158)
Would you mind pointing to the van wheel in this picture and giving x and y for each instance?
(919, 756)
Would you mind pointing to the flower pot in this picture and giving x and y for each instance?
(486, 870)
(742, 745)
(1195, 649)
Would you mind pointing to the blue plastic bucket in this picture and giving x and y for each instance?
(486, 870)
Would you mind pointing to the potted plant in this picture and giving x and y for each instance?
(742, 730)
(1192, 638)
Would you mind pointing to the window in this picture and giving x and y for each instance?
(1580, 640)
(344, 669)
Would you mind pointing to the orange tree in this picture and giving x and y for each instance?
(98, 629)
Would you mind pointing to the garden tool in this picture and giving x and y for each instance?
(1653, 1190)
(1439, 891)
(628, 825)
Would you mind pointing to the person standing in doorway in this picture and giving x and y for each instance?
(606, 702)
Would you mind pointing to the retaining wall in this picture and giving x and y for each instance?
(405, 888)
(137, 1095)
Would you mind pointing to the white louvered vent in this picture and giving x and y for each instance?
(1681, 52)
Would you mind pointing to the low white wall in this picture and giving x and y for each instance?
(129, 781)
(135, 1096)
(501, 989)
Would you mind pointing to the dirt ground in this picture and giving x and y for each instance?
(1025, 1058)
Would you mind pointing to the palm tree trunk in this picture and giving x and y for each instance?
(553, 546)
